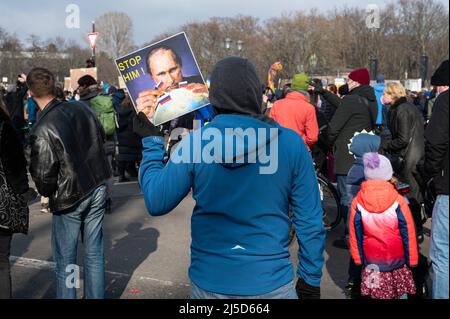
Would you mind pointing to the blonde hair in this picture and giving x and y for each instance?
(395, 90)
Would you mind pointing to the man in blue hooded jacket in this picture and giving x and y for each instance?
(240, 223)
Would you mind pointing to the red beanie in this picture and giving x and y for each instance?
(361, 76)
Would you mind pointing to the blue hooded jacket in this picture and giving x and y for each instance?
(362, 144)
(379, 92)
(32, 111)
(245, 173)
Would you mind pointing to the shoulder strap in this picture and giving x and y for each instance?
(410, 139)
(366, 102)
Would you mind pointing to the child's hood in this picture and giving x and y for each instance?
(376, 196)
(365, 143)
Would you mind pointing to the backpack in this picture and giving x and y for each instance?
(102, 105)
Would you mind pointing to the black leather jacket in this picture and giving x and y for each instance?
(407, 128)
(66, 154)
(356, 112)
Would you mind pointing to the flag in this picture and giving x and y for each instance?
(158, 85)
(164, 99)
(182, 84)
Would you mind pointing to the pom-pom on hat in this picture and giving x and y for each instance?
(377, 166)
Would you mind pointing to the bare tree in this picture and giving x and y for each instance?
(339, 39)
(10, 55)
(424, 23)
(116, 34)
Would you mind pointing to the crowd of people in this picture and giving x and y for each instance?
(369, 140)
(397, 122)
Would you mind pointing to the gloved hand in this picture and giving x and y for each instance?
(144, 128)
(305, 291)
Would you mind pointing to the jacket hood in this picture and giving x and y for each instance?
(243, 138)
(89, 92)
(365, 143)
(376, 196)
(236, 89)
(365, 91)
(297, 95)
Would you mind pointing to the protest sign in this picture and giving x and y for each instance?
(339, 82)
(67, 84)
(414, 85)
(76, 74)
(164, 76)
(121, 83)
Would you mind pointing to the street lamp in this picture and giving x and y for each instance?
(313, 62)
(374, 68)
(424, 69)
(240, 45)
(93, 49)
(229, 44)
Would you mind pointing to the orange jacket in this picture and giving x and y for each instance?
(296, 113)
(381, 226)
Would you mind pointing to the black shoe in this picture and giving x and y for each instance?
(340, 243)
(353, 289)
(349, 289)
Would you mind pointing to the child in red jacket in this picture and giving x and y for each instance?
(382, 234)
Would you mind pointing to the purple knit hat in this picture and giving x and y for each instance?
(377, 166)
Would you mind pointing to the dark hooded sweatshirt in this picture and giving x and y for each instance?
(245, 172)
(357, 112)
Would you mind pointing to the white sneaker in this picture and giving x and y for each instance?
(45, 210)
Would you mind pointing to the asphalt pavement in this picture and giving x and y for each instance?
(146, 257)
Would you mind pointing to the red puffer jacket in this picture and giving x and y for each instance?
(382, 231)
(296, 113)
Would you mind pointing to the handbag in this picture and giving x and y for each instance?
(14, 213)
(397, 162)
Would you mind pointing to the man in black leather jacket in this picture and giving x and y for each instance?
(68, 165)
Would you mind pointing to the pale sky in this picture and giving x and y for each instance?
(46, 18)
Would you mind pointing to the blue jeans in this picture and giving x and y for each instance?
(439, 248)
(342, 192)
(87, 218)
(285, 292)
